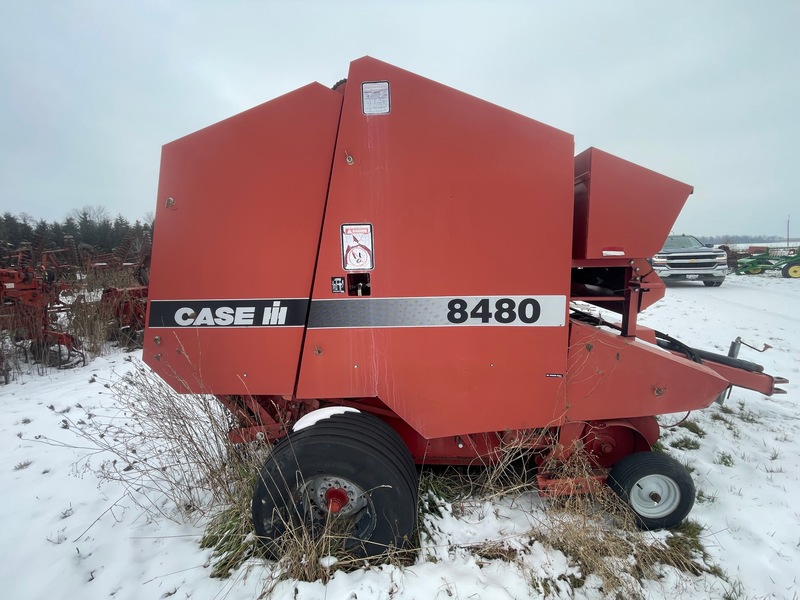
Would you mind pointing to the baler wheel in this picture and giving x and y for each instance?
(754, 271)
(791, 270)
(655, 486)
(350, 477)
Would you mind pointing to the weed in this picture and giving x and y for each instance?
(693, 427)
(230, 534)
(721, 418)
(724, 459)
(495, 550)
(23, 465)
(685, 443)
(745, 415)
(704, 498)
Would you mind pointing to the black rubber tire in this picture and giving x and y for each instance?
(653, 471)
(362, 451)
(711, 283)
(791, 270)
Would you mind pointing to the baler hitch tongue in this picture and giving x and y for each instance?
(779, 381)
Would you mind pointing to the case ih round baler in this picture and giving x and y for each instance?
(378, 299)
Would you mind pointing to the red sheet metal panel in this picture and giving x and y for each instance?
(460, 213)
(614, 377)
(622, 209)
(238, 219)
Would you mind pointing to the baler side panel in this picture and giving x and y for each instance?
(239, 215)
(466, 200)
(611, 377)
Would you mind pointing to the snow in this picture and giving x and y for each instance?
(317, 415)
(68, 534)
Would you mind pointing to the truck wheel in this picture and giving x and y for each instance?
(711, 283)
(350, 476)
(791, 270)
(657, 487)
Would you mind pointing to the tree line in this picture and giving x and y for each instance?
(88, 225)
(92, 225)
(740, 239)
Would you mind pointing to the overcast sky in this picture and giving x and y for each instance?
(705, 92)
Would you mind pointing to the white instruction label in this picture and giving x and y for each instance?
(375, 99)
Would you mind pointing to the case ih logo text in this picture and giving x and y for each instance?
(228, 315)
(283, 312)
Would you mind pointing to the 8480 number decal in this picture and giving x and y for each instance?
(490, 310)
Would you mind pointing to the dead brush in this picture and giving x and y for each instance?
(587, 522)
(92, 318)
(92, 323)
(513, 468)
(162, 445)
(598, 531)
(100, 279)
(18, 352)
(316, 554)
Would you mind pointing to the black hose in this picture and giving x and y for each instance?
(669, 343)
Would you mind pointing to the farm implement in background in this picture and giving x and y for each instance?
(33, 294)
(760, 259)
(44, 291)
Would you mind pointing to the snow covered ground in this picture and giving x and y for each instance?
(67, 534)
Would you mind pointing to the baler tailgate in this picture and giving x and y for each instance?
(239, 217)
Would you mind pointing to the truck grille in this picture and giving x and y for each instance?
(689, 260)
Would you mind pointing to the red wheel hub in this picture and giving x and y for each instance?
(606, 445)
(336, 499)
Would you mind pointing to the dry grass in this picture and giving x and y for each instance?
(596, 532)
(92, 323)
(173, 450)
(161, 444)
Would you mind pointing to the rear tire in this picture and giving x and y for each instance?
(349, 474)
(791, 270)
(655, 486)
(711, 283)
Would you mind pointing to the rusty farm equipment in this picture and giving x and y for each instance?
(39, 286)
(32, 295)
(383, 307)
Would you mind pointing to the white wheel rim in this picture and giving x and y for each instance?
(655, 496)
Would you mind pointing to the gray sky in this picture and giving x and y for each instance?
(705, 92)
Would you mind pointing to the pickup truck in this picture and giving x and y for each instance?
(684, 257)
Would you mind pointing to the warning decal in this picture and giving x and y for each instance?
(357, 247)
